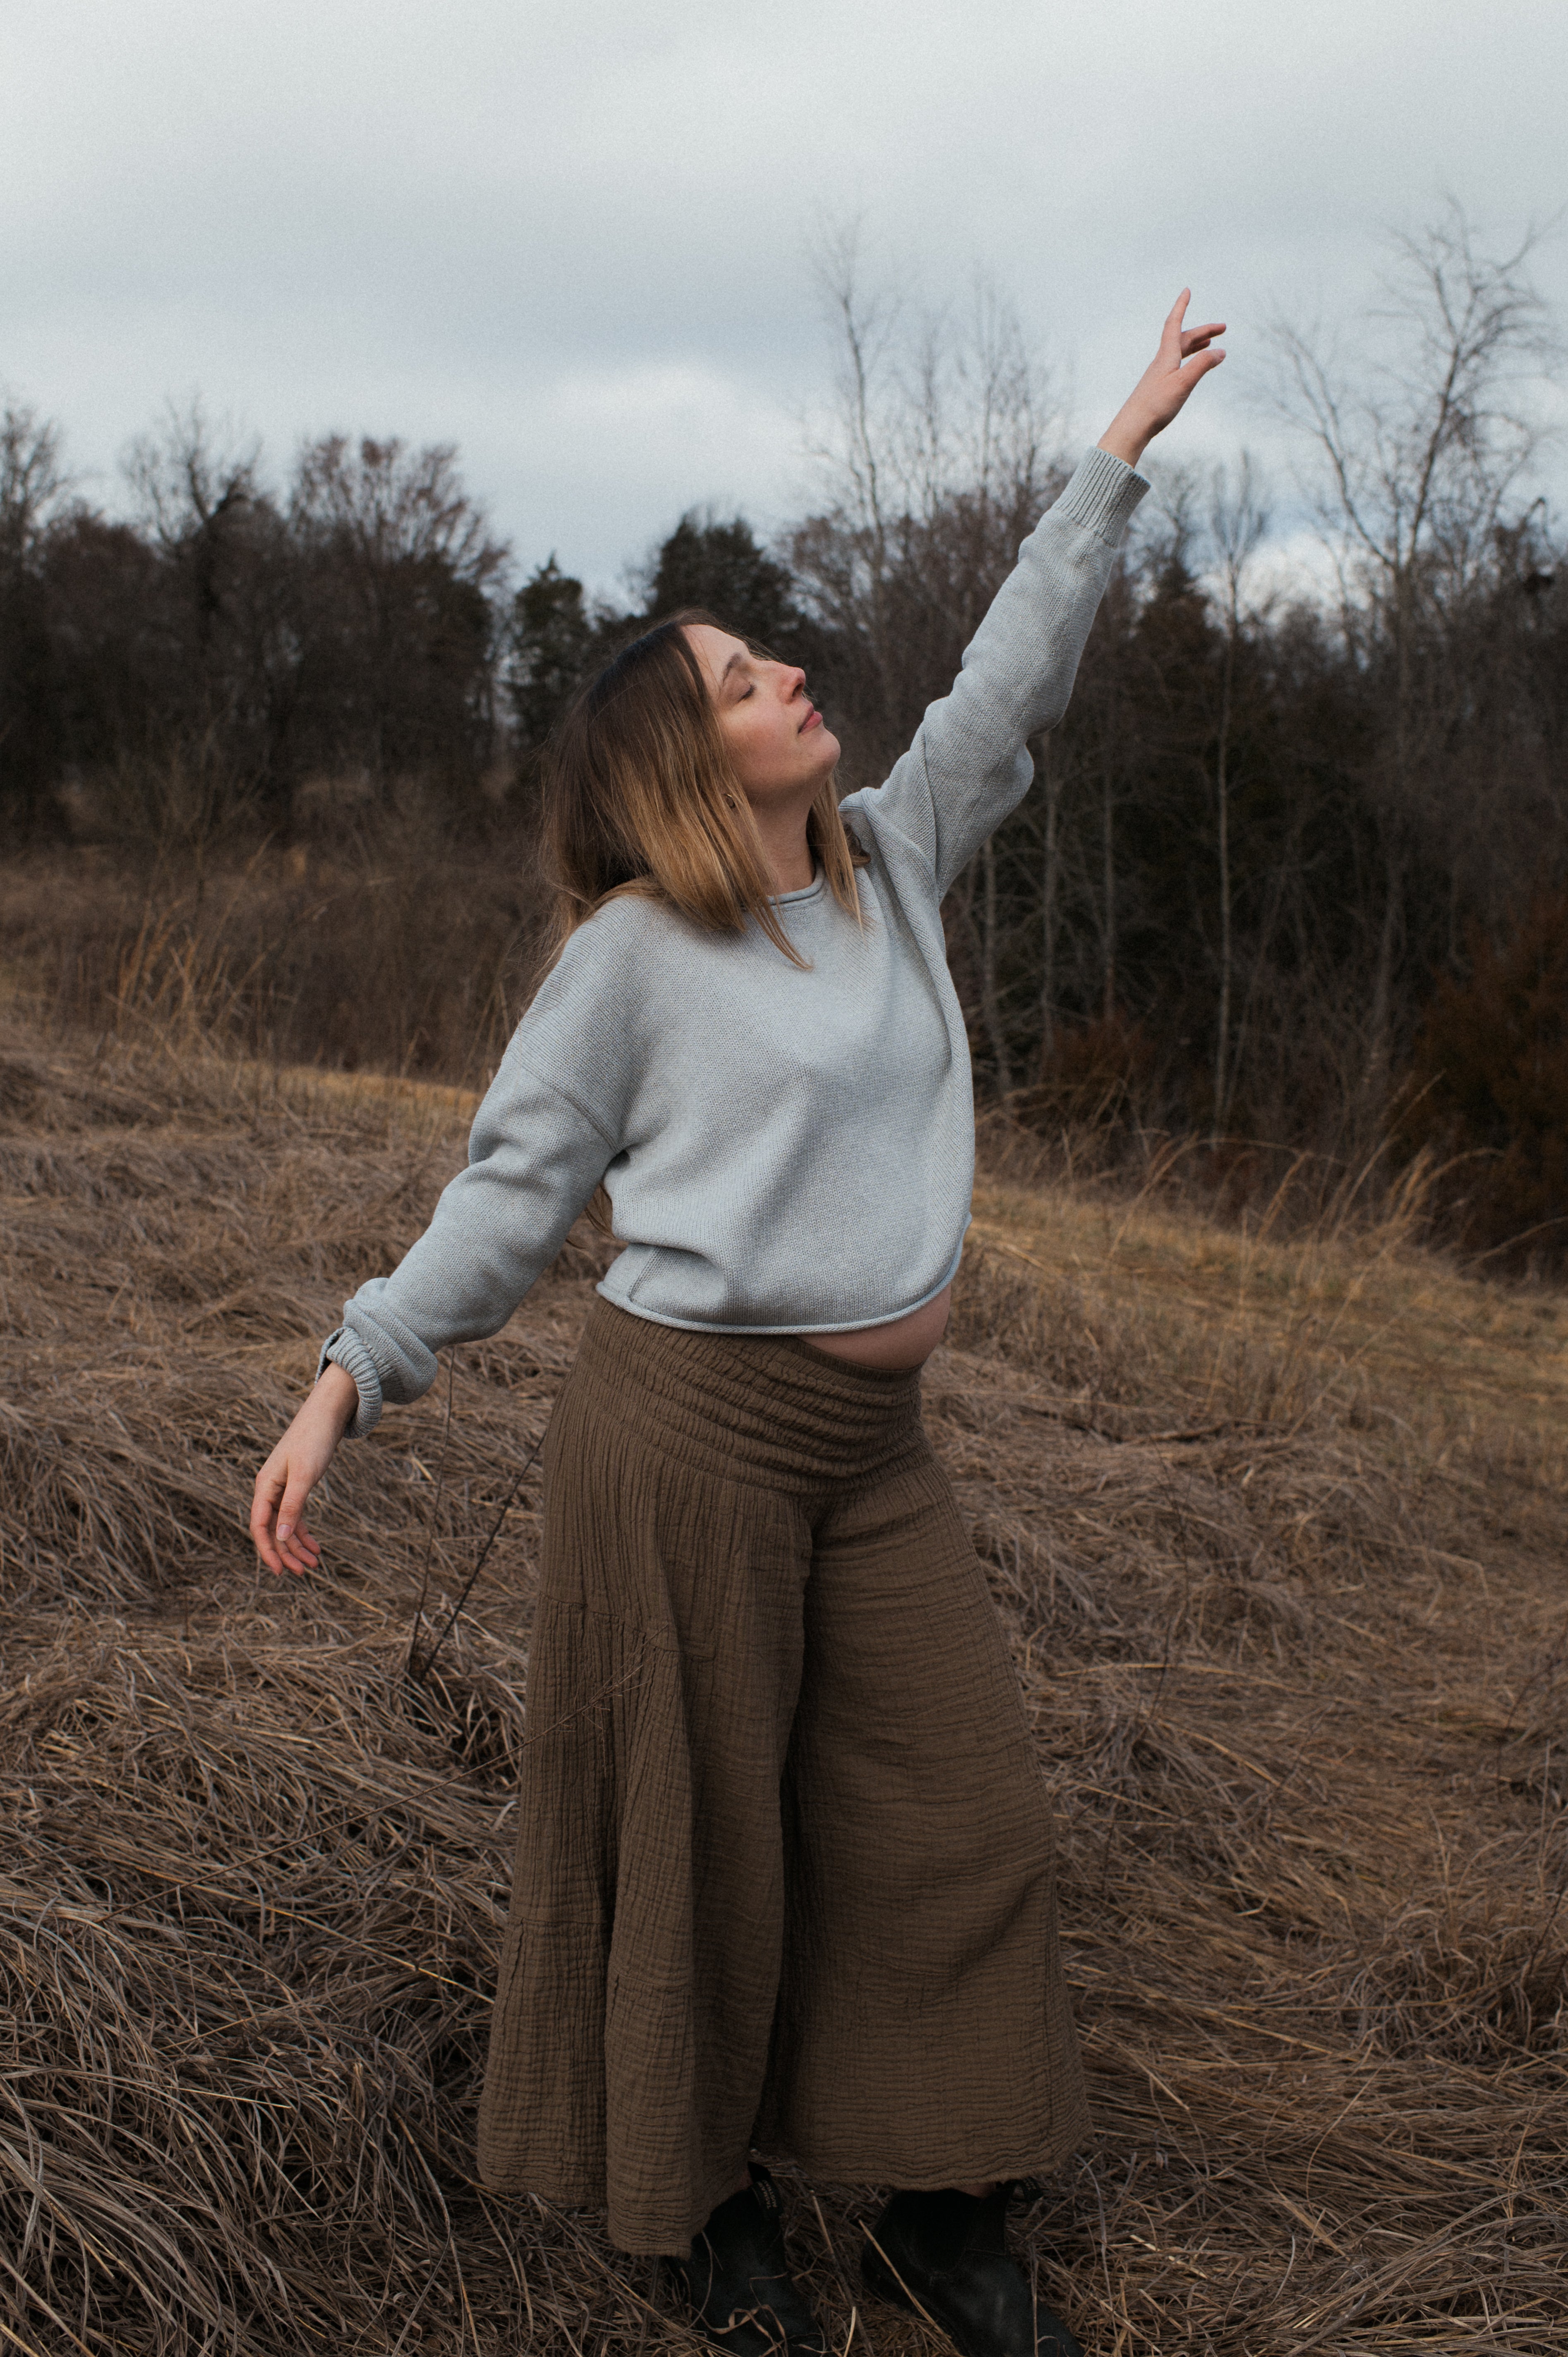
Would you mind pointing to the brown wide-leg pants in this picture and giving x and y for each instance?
(784, 1869)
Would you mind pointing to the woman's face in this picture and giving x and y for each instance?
(782, 748)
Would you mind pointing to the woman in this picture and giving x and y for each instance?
(784, 1871)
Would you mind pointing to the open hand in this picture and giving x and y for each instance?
(293, 1470)
(1182, 358)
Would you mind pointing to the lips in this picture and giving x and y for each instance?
(813, 719)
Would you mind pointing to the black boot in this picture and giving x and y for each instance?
(737, 2279)
(945, 2256)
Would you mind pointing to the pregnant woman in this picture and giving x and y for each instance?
(784, 1877)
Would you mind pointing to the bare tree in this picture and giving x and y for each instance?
(855, 453)
(201, 505)
(932, 456)
(33, 489)
(1422, 444)
(188, 474)
(393, 505)
(1426, 443)
(32, 481)
(398, 621)
(1048, 773)
(935, 460)
(1238, 520)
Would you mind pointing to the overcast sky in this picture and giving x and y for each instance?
(575, 239)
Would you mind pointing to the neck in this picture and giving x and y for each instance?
(784, 844)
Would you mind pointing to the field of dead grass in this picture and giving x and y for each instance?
(1277, 1528)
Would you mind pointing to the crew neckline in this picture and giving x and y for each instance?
(804, 892)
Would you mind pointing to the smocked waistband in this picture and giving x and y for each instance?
(770, 1404)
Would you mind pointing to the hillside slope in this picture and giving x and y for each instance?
(1278, 1532)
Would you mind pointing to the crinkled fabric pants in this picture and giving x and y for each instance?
(784, 1872)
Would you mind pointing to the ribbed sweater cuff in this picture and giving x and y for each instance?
(1102, 496)
(346, 1351)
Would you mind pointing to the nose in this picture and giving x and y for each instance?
(793, 681)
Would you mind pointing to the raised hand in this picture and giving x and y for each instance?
(1182, 358)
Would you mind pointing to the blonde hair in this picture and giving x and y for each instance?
(640, 797)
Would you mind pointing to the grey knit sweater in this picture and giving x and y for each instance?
(787, 1150)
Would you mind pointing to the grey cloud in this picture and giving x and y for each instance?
(574, 239)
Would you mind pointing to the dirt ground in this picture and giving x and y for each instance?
(1277, 1527)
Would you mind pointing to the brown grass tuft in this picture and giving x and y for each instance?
(394, 949)
(1276, 1528)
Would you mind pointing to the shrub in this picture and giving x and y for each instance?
(399, 952)
(1094, 1076)
(1488, 1090)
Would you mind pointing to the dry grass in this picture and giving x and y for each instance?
(1277, 1528)
(394, 949)
(1355, 1321)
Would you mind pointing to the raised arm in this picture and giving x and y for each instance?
(969, 764)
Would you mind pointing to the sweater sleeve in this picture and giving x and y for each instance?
(969, 764)
(537, 1150)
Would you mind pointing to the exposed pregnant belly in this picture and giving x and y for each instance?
(902, 1342)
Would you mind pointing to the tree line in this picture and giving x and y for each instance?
(207, 656)
(1294, 874)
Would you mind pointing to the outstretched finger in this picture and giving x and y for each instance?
(1194, 338)
(1171, 333)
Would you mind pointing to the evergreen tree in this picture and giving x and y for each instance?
(720, 566)
(555, 638)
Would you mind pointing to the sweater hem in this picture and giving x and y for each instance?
(823, 1326)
